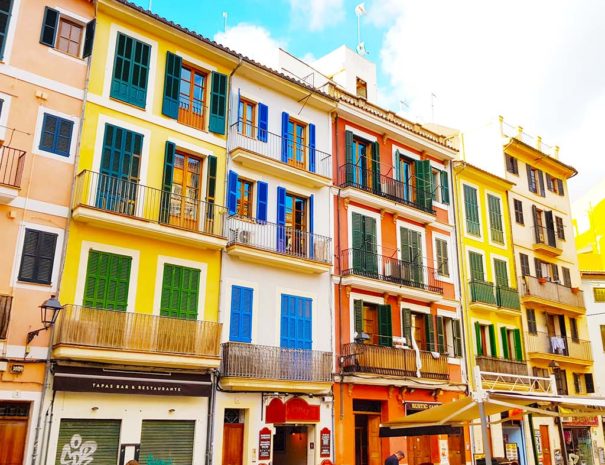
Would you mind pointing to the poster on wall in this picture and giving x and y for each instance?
(539, 447)
(264, 444)
(325, 446)
(512, 453)
(601, 456)
(443, 452)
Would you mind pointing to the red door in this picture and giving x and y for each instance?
(233, 444)
(12, 438)
(545, 442)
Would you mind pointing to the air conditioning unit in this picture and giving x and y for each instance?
(244, 237)
(392, 270)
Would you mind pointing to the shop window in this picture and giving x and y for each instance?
(79, 436)
(599, 294)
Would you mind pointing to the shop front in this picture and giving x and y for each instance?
(580, 445)
(114, 415)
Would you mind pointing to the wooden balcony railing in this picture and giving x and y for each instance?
(390, 269)
(127, 198)
(545, 343)
(140, 332)
(381, 360)
(501, 365)
(266, 362)
(488, 293)
(6, 303)
(283, 150)
(553, 292)
(11, 166)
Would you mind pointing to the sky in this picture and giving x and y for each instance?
(461, 63)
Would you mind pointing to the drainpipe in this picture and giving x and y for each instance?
(210, 416)
(532, 432)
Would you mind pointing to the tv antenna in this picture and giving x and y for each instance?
(225, 16)
(360, 10)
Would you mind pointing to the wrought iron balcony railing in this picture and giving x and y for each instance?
(11, 166)
(488, 293)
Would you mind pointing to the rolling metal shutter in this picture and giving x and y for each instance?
(98, 439)
(167, 442)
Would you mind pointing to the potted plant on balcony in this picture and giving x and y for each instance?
(542, 280)
(575, 290)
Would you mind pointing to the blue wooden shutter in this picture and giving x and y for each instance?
(240, 327)
(5, 18)
(172, 82)
(89, 38)
(263, 122)
(169, 153)
(261, 200)
(285, 119)
(281, 219)
(296, 322)
(232, 192)
(312, 148)
(49, 27)
(218, 103)
(311, 224)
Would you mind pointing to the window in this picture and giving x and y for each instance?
(518, 211)
(501, 272)
(476, 265)
(185, 198)
(296, 143)
(56, 135)
(603, 337)
(5, 16)
(180, 291)
(69, 37)
(130, 71)
(296, 322)
(375, 321)
(561, 382)
(66, 34)
(363, 230)
(589, 383)
(485, 338)
(240, 326)
(361, 88)
(524, 259)
(472, 211)
(577, 383)
(441, 252)
(449, 336)
(244, 197)
(512, 166)
(495, 219)
(412, 255)
(532, 326)
(566, 276)
(532, 179)
(192, 97)
(573, 326)
(554, 185)
(107, 281)
(247, 118)
(599, 294)
(37, 257)
(511, 343)
(560, 228)
(436, 184)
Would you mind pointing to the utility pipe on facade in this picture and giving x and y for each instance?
(480, 396)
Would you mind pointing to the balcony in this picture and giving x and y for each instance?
(551, 296)
(121, 205)
(546, 241)
(140, 339)
(11, 170)
(389, 361)
(487, 296)
(386, 193)
(6, 303)
(251, 367)
(380, 273)
(278, 245)
(547, 347)
(270, 153)
(497, 369)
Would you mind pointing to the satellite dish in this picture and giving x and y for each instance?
(361, 49)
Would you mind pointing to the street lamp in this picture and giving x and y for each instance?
(49, 311)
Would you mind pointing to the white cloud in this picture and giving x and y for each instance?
(317, 14)
(537, 63)
(252, 41)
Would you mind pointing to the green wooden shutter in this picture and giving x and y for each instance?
(501, 270)
(107, 281)
(478, 338)
(406, 318)
(180, 291)
(440, 335)
(218, 103)
(375, 167)
(457, 333)
(104, 433)
(172, 82)
(130, 71)
(350, 167)
(445, 188)
(518, 345)
(211, 189)
(471, 208)
(430, 333)
(504, 336)
(476, 264)
(424, 193)
(358, 315)
(169, 154)
(370, 245)
(167, 442)
(357, 255)
(385, 331)
(492, 341)
(495, 219)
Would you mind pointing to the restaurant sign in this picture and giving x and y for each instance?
(415, 407)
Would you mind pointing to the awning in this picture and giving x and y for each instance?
(466, 410)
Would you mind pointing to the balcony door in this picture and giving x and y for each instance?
(296, 225)
(297, 143)
(119, 171)
(411, 256)
(185, 192)
(406, 174)
(365, 258)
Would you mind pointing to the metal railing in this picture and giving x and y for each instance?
(140, 332)
(488, 293)
(267, 144)
(517, 132)
(266, 362)
(6, 303)
(128, 198)
(372, 265)
(502, 366)
(192, 115)
(407, 193)
(545, 343)
(382, 360)
(545, 236)
(553, 292)
(278, 238)
(11, 166)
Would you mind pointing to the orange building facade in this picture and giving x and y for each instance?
(397, 321)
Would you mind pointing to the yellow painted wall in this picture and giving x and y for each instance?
(590, 233)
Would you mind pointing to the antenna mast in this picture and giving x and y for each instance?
(360, 10)
(225, 15)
